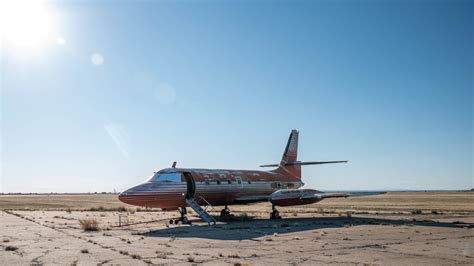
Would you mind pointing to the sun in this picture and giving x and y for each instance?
(25, 24)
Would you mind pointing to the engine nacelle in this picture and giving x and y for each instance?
(289, 197)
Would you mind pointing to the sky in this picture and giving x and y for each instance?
(97, 95)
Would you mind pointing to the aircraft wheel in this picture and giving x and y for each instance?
(275, 215)
(185, 220)
(225, 213)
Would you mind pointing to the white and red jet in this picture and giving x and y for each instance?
(178, 188)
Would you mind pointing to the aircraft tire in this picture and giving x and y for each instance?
(275, 215)
(185, 220)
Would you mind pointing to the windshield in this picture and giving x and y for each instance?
(165, 177)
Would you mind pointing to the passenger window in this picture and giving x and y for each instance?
(250, 182)
(239, 180)
(229, 182)
(218, 182)
(207, 181)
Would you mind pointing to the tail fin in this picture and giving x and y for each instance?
(289, 163)
(290, 155)
(291, 150)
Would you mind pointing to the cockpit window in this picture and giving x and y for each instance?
(165, 177)
(151, 177)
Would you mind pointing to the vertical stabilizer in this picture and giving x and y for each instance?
(291, 150)
(290, 155)
(289, 164)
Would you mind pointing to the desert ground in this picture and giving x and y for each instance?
(403, 228)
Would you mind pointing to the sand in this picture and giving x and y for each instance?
(368, 230)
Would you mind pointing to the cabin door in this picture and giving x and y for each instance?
(191, 185)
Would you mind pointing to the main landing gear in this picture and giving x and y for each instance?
(275, 214)
(225, 213)
(183, 219)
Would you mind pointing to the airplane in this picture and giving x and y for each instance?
(177, 188)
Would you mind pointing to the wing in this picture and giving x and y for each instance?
(306, 196)
(319, 195)
(251, 199)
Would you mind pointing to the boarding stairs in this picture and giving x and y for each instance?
(200, 211)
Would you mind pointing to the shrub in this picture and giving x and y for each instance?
(10, 248)
(97, 209)
(136, 256)
(190, 259)
(84, 250)
(121, 209)
(89, 224)
(162, 255)
(416, 212)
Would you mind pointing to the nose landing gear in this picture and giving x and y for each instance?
(183, 219)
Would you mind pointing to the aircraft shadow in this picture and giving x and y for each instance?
(244, 230)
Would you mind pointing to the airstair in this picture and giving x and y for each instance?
(200, 211)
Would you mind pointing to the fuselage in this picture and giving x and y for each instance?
(168, 188)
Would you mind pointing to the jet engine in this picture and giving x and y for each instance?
(289, 197)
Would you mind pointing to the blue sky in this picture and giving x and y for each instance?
(125, 88)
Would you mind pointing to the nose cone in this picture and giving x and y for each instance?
(135, 195)
(123, 196)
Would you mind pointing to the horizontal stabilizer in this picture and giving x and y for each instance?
(269, 165)
(302, 163)
(308, 163)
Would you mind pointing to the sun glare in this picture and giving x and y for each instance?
(25, 24)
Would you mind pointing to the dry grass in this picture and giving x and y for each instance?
(404, 201)
(64, 202)
(393, 201)
(10, 248)
(163, 254)
(89, 224)
(136, 256)
(104, 209)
